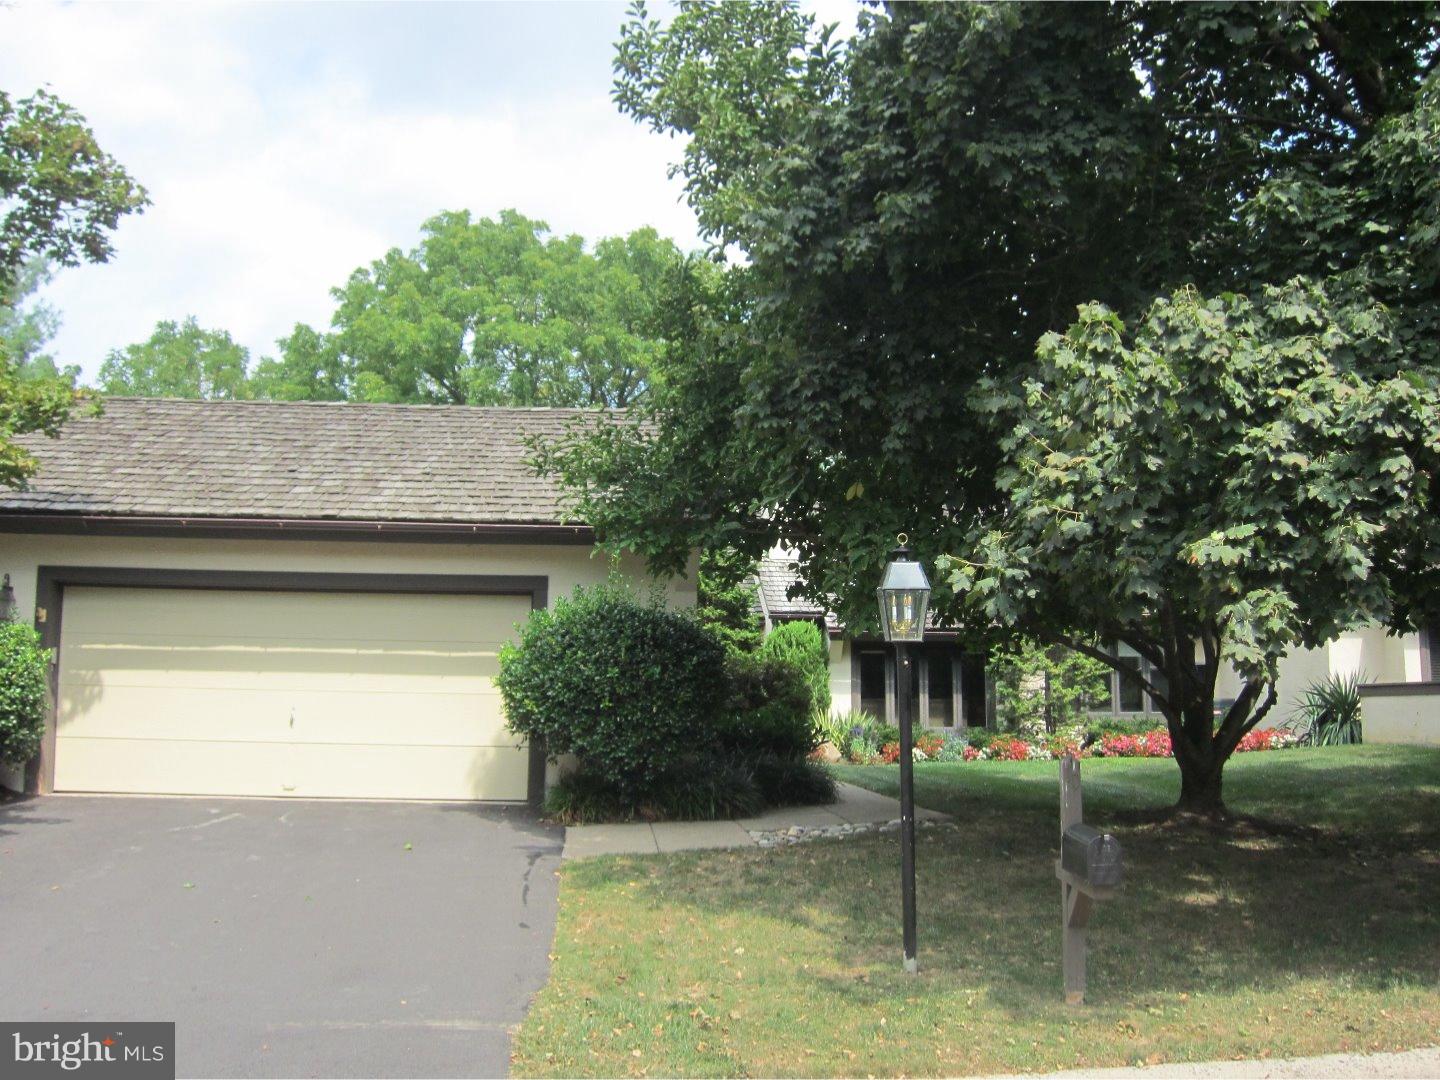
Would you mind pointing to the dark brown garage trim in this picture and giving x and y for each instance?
(218, 528)
(51, 582)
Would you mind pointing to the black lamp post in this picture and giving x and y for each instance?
(904, 595)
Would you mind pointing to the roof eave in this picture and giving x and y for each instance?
(283, 528)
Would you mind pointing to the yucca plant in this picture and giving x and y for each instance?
(1328, 712)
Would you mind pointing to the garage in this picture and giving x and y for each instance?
(286, 692)
(301, 599)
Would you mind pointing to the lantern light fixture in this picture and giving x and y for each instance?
(904, 596)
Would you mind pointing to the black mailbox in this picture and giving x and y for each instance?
(1092, 856)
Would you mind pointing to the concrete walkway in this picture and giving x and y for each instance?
(855, 806)
(1407, 1065)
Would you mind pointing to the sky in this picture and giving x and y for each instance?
(284, 145)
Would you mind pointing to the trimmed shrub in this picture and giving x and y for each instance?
(786, 782)
(803, 645)
(1097, 729)
(23, 682)
(584, 797)
(628, 687)
(695, 789)
(768, 709)
(704, 789)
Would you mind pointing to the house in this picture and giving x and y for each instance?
(1399, 674)
(950, 688)
(290, 599)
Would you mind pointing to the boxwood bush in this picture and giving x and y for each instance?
(625, 685)
(768, 709)
(802, 644)
(23, 682)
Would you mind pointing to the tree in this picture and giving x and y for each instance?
(916, 210)
(1225, 481)
(27, 326)
(178, 360)
(725, 600)
(805, 645)
(488, 312)
(1041, 687)
(308, 369)
(62, 196)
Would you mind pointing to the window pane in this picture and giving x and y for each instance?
(972, 690)
(942, 699)
(1132, 697)
(872, 683)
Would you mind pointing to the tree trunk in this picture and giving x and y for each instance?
(1200, 791)
(1201, 778)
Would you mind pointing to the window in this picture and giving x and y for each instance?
(872, 682)
(973, 706)
(1130, 692)
(941, 684)
(1430, 651)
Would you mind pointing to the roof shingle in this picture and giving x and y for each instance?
(299, 460)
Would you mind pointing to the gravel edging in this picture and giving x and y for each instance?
(798, 834)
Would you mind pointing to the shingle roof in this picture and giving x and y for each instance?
(776, 576)
(298, 460)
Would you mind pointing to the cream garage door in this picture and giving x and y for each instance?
(357, 695)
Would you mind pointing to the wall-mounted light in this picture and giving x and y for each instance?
(7, 601)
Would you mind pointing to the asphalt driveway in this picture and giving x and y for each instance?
(284, 937)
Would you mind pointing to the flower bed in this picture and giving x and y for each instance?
(1149, 744)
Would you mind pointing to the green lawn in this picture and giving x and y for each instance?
(787, 962)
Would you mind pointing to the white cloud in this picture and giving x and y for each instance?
(269, 188)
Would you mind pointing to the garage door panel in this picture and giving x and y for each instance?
(172, 767)
(200, 713)
(381, 772)
(355, 695)
(179, 657)
(278, 668)
(184, 613)
(293, 771)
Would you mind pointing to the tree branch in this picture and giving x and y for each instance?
(1369, 88)
(1335, 97)
(1229, 736)
(1111, 661)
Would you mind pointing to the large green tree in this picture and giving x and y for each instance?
(1223, 482)
(178, 360)
(488, 311)
(915, 211)
(28, 324)
(61, 197)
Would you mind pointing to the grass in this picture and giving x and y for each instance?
(1253, 943)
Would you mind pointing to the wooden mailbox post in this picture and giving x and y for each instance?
(1089, 869)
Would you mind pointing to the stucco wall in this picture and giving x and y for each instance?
(840, 676)
(565, 565)
(1393, 714)
(1372, 653)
